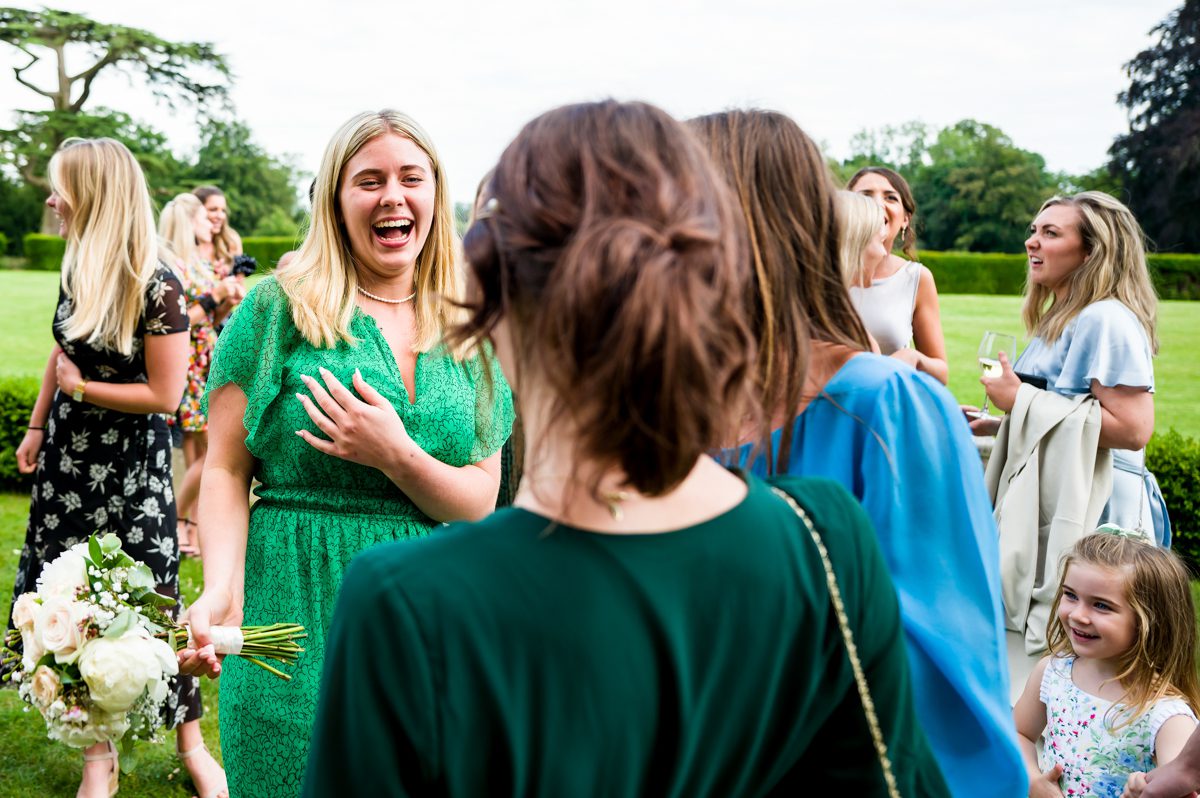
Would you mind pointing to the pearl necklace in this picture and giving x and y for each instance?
(377, 298)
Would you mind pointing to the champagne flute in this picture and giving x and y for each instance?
(990, 347)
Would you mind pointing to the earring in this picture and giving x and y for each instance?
(904, 232)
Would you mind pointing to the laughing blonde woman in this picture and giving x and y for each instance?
(331, 387)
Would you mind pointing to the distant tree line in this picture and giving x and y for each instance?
(975, 189)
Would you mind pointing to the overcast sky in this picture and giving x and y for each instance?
(1045, 71)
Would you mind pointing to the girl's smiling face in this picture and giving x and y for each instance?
(217, 213)
(386, 201)
(878, 188)
(1094, 611)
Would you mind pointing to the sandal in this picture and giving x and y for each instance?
(113, 774)
(221, 790)
(187, 546)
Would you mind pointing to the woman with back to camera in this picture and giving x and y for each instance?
(97, 441)
(891, 435)
(183, 226)
(897, 297)
(332, 387)
(642, 622)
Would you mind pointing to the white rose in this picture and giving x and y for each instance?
(25, 610)
(64, 575)
(118, 671)
(60, 625)
(32, 648)
(45, 686)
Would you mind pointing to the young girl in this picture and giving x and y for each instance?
(1118, 692)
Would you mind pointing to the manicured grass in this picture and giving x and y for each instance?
(35, 766)
(30, 296)
(965, 317)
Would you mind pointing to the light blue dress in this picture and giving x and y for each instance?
(897, 440)
(1107, 343)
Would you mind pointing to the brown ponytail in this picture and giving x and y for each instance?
(616, 257)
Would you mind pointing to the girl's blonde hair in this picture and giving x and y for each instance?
(226, 242)
(176, 227)
(1114, 267)
(859, 221)
(112, 249)
(320, 280)
(1162, 660)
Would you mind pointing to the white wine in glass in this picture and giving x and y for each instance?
(990, 347)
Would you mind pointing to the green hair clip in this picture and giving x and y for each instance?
(1122, 532)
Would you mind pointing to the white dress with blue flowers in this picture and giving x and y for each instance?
(1096, 761)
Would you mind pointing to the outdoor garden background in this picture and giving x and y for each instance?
(975, 189)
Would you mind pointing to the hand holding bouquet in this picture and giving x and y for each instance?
(97, 648)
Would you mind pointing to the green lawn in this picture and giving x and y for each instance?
(29, 305)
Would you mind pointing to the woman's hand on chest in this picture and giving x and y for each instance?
(366, 431)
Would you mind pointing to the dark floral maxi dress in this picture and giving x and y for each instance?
(102, 470)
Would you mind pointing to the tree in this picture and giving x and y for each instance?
(1158, 160)
(975, 189)
(31, 143)
(978, 191)
(256, 183)
(174, 71)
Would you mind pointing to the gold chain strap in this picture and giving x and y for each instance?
(860, 678)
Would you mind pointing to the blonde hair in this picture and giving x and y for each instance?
(177, 227)
(859, 221)
(1161, 662)
(320, 281)
(112, 249)
(227, 241)
(1114, 267)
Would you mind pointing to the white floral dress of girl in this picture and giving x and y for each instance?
(1096, 759)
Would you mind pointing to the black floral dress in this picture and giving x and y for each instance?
(102, 470)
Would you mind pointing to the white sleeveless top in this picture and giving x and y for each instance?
(886, 307)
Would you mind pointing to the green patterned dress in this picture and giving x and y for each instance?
(316, 512)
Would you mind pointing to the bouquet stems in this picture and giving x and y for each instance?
(258, 643)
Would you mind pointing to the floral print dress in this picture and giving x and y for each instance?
(198, 280)
(105, 471)
(1096, 761)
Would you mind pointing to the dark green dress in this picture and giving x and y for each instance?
(513, 657)
(316, 512)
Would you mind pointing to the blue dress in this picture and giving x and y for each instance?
(1106, 343)
(897, 440)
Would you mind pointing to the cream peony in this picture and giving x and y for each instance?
(60, 625)
(62, 576)
(45, 686)
(25, 611)
(118, 671)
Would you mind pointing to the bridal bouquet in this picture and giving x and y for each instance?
(98, 648)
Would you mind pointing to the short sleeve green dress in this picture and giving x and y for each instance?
(518, 657)
(315, 512)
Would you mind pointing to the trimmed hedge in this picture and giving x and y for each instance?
(267, 250)
(1175, 276)
(17, 395)
(44, 253)
(1175, 461)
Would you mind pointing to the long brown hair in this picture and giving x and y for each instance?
(787, 199)
(614, 255)
(226, 241)
(908, 242)
(1114, 267)
(1162, 660)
